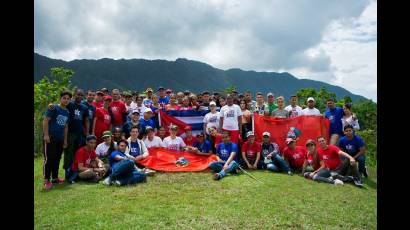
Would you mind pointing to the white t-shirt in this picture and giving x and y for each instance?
(350, 121)
(313, 111)
(211, 120)
(230, 115)
(102, 149)
(141, 109)
(294, 111)
(173, 144)
(156, 142)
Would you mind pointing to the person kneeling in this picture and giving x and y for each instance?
(87, 166)
(225, 153)
(123, 171)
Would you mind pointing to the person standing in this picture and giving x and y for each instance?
(231, 119)
(293, 109)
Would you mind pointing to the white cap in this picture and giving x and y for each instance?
(310, 99)
(250, 133)
(266, 134)
(148, 110)
(212, 103)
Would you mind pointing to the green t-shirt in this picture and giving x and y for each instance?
(271, 107)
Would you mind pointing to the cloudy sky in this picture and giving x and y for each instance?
(325, 40)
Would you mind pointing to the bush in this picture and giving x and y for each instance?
(370, 139)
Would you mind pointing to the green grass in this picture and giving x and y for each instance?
(195, 201)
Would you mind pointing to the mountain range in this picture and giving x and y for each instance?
(179, 75)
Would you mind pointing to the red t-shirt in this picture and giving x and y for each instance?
(118, 108)
(98, 104)
(315, 164)
(218, 139)
(330, 156)
(296, 157)
(190, 142)
(251, 150)
(83, 156)
(103, 120)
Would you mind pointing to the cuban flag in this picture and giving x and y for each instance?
(183, 119)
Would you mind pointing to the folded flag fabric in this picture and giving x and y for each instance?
(161, 159)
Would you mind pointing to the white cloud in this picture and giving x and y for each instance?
(308, 37)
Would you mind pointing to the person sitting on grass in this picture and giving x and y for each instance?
(123, 171)
(271, 158)
(137, 150)
(225, 153)
(173, 142)
(354, 146)
(294, 155)
(105, 148)
(215, 138)
(345, 170)
(86, 165)
(189, 139)
(152, 141)
(251, 152)
(318, 171)
(202, 146)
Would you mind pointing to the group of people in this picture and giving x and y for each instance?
(106, 134)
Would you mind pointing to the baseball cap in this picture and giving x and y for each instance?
(187, 128)
(265, 134)
(309, 142)
(91, 137)
(149, 90)
(289, 140)
(212, 103)
(169, 91)
(310, 99)
(250, 133)
(174, 127)
(107, 98)
(148, 110)
(149, 128)
(107, 134)
(160, 88)
(135, 111)
(270, 94)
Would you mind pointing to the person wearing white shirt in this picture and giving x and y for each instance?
(293, 109)
(311, 110)
(349, 118)
(173, 142)
(152, 141)
(211, 119)
(139, 106)
(103, 150)
(231, 119)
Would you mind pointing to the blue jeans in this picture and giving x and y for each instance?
(277, 164)
(218, 167)
(323, 175)
(361, 160)
(125, 172)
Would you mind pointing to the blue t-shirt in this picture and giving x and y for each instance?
(112, 160)
(91, 113)
(224, 151)
(335, 118)
(351, 147)
(146, 123)
(78, 113)
(164, 100)
(135, 149)
(204, 147)
(59, 117)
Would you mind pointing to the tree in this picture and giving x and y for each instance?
(46, 91)
(230, 89)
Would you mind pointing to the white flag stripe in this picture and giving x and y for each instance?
(191, 120)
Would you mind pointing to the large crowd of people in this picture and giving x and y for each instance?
(105, 134)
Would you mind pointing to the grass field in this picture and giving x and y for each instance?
(195, 201)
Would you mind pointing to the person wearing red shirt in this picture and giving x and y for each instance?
(294, 155)
(215, 138)
(334, 167)
(251, 152)
(117, 109)
(189, 139)
(98, 101)
(86, 164)
(102, 120)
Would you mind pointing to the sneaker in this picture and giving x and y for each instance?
(107, 181)
(338, 182)
(117, 183)
(358, 183)
(216, 176)
(57, 181)
(290, 173)
(47, 185)
(148, 172)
